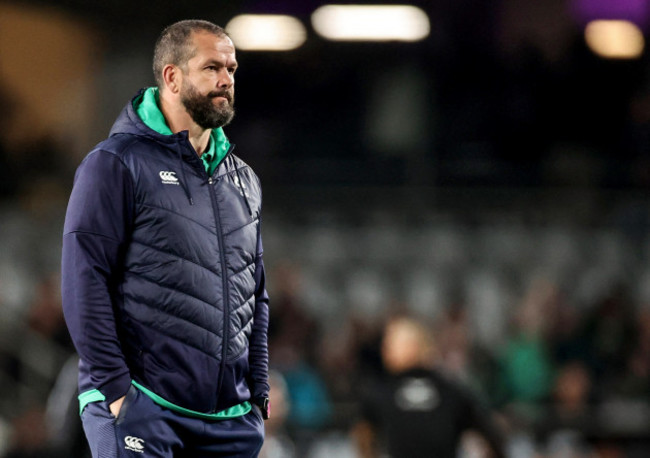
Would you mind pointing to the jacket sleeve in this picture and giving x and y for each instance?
(97, 226)
(258, 347)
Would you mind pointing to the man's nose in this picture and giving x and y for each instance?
(226, 79)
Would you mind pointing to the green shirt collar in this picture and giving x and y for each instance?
(148, 108)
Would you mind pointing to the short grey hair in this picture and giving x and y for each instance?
(174, 45)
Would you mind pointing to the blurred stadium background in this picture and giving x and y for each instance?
(488, 173)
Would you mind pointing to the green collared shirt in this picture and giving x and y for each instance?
(148, 108)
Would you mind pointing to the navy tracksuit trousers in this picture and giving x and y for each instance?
(143, 429)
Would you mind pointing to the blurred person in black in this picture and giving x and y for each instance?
(414, 408)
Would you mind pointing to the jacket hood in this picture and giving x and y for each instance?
(128, 122)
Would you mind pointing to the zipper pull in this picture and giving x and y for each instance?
(210, 181)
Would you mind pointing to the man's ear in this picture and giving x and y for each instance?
(173, 78)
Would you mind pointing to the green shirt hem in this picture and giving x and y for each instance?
(231, 412)
(236, 411)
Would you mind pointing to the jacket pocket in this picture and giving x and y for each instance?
(129, 400)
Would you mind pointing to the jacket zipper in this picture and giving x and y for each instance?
(224, 276)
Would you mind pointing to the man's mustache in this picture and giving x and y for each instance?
(227, 95)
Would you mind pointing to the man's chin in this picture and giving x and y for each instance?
(223, 119)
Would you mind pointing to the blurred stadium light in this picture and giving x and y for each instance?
(615, 39)
(266, 32)
(371, 22)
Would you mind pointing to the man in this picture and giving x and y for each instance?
(163, 279)
(417, 411)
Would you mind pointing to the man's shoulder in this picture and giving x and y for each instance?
(235, 162)
(238, 162)
(119, 144)
(122, 147)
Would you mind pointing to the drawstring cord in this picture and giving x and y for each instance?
(184, 180)
(243, 191)
(240, 184)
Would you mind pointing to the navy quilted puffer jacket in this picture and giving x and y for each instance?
(162, 272)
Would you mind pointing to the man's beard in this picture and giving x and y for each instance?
(202, 109)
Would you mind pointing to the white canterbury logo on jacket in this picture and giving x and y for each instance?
(168, 177)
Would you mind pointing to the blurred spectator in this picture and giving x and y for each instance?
(459, 355)
(635, 382)
(293, 338)
(277, 443)
(29, 436)
(453, 337)
(45, 315)
(416, 410)
(569, 422)
(36, 354)
(37, 351)
(290, 326)
(609, 333)
(310, 407)
(53, 430)
(565, 335)
(526, 367)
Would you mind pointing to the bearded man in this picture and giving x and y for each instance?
(163, 281)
